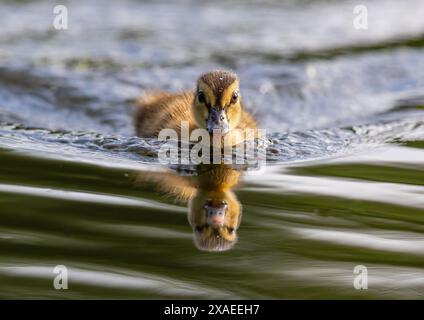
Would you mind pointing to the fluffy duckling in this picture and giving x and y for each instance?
(214, 211)
(215, 105)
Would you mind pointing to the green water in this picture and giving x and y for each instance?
(304, 229)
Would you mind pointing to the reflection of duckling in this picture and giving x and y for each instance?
(216, 106)
(214, 211)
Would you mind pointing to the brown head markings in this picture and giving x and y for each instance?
(218, 81)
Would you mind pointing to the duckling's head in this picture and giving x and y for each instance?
(217, 104)
(215, 219)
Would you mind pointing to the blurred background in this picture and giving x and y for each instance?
(343, 109)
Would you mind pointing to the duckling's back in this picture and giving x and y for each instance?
(160, 110)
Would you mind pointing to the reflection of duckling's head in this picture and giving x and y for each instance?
(215, 218)
(217, 106)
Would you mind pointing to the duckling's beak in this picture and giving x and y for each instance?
(215, 213)
(218, 121)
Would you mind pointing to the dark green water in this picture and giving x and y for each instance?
(343, 184)
(305, 227)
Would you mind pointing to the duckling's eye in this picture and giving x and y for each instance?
(234, 98)
(231, 230)
(201, 97)
(199, 228)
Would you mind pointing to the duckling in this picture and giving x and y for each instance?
(215, 106)
(214, 211)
